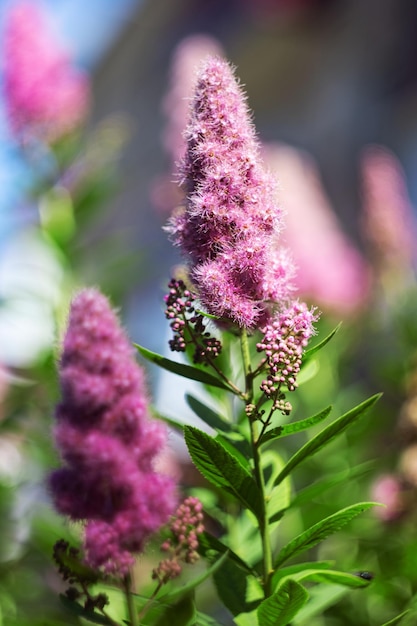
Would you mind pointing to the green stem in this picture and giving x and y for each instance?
(131, 609)
(259, 477)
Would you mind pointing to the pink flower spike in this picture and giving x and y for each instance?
(229, 228)
(45, 95)
(107, 441)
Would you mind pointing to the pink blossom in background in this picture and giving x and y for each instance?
(388, 221)
(330, 270)
(45, 94)
(189, 53)
(388, 491)
(229, 229)
(107, 441)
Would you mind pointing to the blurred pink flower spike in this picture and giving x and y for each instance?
(330, 270)
(388, 491)
(46, 96)
(107, 442)
(388, 220)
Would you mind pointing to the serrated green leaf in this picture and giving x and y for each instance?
(208, 542)
(280, 608)
(186, 371)
(181, 613)
(79, 610)
(396, 619)
(320, 531)
(205, 413)
(295, 427)
(222, 469)
(327, 435)
(291, 570)
(232, 585)
(312, 351)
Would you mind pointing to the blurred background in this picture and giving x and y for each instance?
(94, 101)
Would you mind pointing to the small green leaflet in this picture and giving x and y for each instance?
(309, 353)
(320, 531)
(327, 435)
(222, 469)
(280, 608)
(187, 371)
(295, 427)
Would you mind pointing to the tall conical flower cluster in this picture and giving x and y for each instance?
(44, 93)
(229, 228)
(106, 440)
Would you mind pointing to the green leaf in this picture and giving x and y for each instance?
(207, 543)
(280, 608)
(205, 413)
(206, 620)
(332, 576)
(396, 619)
(327, 435)
(295, 427)
(232, 586)
(290, 570)
(277, 498)
(327, 482)
(321, 530)
(222, 469)
(187, 371)
(181, 613)
(309, 353)
(78, 609)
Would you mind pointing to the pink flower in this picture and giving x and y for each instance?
(228, 231)
(45, 95)
(388, 220)
(107, 442)
(330, 270)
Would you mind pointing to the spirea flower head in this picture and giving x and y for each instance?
(45, 94)
(107, 442)
(228, 230)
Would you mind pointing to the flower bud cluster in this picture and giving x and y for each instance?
(188, 325)
(283, 344)
(107, 441)
(186, 525)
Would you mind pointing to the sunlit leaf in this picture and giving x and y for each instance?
(222, 469)
(320, 531)
(324, 437)
(309, 353)
(186, 371)
(295, 427)
(280, 608)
